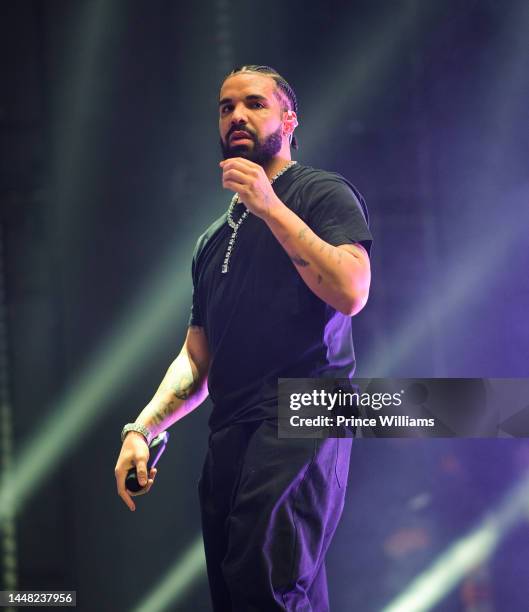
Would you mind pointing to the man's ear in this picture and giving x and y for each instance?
(290, 122)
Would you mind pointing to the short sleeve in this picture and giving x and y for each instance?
(195, 317)
(337, 212)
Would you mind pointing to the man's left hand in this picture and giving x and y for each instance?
(249, 180)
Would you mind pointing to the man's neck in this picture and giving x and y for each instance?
(276, 165)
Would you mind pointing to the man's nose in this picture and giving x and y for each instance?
(238, 115)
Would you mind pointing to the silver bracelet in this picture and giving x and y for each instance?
(139, 429)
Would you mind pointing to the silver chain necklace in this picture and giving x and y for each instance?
(236, 225)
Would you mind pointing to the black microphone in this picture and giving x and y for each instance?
(156, 448)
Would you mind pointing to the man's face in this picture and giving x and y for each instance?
(248, 104)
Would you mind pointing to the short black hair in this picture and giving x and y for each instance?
(286, 94)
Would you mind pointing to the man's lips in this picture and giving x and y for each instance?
(240, 136)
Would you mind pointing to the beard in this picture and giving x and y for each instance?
(261, 153)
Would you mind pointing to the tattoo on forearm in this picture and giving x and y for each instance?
(164, 410)
(302, 236)
(183, 387)
(181, 384)
(299, 261)
(319, 279)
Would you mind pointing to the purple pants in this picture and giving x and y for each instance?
(270, 508)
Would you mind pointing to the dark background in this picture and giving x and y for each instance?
(108, 173)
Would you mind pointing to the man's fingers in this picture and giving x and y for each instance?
(122, 491)
(240, 162)
(128, 500)
(125, 496)
(141, 473)
(146, 489)
(130, 457)
(234, 175)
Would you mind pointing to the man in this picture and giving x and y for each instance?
(276, 280)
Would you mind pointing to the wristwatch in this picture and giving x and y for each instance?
(138, 428)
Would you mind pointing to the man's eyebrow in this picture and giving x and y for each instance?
(248, 98)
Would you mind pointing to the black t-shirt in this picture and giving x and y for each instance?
(261, 321)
